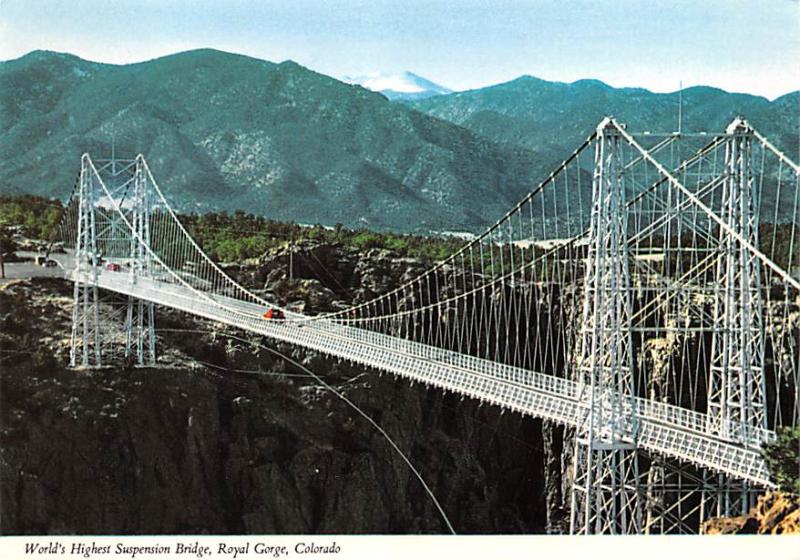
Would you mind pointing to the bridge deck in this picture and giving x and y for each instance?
(662, 428)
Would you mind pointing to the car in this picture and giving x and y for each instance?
(114, 267)
(273, 314)
(49, 263)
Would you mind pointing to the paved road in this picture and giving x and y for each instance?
(29, 269)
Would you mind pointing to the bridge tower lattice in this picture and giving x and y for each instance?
(605, 494)
(736, 385)
(104, 239)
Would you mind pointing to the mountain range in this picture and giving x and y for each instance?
(225, 132)
(555, 116)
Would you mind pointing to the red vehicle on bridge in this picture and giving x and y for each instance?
(273, 314)
(113, 267)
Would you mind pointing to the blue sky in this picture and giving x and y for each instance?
(740, 45)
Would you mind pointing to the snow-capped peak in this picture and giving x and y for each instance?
(404, 86)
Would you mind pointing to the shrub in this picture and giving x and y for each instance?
(783, 459)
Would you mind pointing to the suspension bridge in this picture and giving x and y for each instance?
(645, 295)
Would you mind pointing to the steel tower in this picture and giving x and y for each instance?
(736, 385)
(604, 496)
(103, 330)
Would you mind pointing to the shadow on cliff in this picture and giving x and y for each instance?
(230, 440)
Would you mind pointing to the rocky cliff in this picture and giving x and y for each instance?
(226, 438)
(776, 513)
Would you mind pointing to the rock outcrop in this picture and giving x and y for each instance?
(776, 513)
(227, 438)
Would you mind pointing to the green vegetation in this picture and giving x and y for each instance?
(37, 216)
(232, 237)
(238, 236)
(783, 459)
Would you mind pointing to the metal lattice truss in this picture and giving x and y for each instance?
(645, 294)
(604, 495)
(105, 329)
